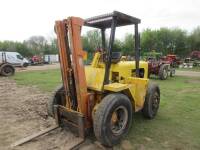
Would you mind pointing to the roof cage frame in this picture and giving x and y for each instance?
(113, 20)
(105, 21)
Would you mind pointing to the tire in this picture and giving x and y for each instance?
(163, 72)
(57, 99)
(152, 101)
(25, 65)
(106, 117)
(172, 72)
(7, 70)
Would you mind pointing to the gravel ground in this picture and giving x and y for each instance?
(23, 112)
(188, 73)
(39, 67)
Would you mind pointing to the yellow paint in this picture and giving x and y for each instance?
(138, 88)
(95, 60)
(125, 68)
(126, 79)
(116, 87)
(94, 77)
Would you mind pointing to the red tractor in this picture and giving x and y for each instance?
(173, 59)
(159, 66)
(36, 60)
(195, 55)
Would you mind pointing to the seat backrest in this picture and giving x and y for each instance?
(116, 57)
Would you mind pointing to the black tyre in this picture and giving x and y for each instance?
(7, 70)
(172, 72)
(112, 119)
(57, 99)
(25, 65)
(152, 101)
(163, 72)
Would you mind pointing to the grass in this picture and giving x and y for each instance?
(176, 126)
(46, 80)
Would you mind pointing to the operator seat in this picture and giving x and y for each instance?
(116, 57)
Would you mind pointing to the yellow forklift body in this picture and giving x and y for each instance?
(102, 95)
(126, 80)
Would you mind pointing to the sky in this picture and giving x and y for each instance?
(21, 19)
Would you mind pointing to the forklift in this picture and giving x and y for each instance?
(104, 95)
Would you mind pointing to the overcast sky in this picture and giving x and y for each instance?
(21, 19)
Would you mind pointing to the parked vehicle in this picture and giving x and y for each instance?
(192, 61)
(36, 60)
(6, 69)
(48, 59)
(14, 58)
(188, 63)
(160, 66)
(195, 56)
(173, 59)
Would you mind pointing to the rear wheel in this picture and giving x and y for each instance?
(163, 72)
(112, 119)
(7, 70)
(152, 101)
(57, 99)
(172, 72)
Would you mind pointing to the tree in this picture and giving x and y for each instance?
(51, 47)
(92, 40)
(180, 42)
(37, 44)
(148, 40)
(194, 39)
(23, 49)
(165, 40)
(118, 45)
(128, 44)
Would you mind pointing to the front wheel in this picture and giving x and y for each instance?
(56, 99)
(112, 119)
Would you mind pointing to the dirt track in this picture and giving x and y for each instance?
(40, 67)
(23, 112)
(188, 73)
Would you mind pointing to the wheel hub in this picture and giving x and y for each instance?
(119, 120)
(155, 103)
(165, 73)
(8, 70)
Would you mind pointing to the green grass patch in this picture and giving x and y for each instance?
(177, 125)
(45, 80)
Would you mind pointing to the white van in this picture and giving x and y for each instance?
(49, 59)
(13, 58)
